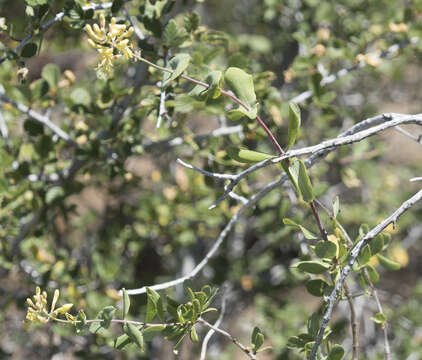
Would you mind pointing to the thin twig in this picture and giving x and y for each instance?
(242, 347)
(216, 324)
(36, 116)
(380, 310)
(353, 322)
(360, 132)
(322, 231)
(418, 138)
(392, 219)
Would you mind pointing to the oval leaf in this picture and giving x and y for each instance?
(336, 353)
(242, 86)
(326, 249)
(304, 183)
(316, 287)
(388, 263)
(312, 267)
(178, 65)
(135, 335)
(247, 156)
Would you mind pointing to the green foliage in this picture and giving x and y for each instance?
(110, 209)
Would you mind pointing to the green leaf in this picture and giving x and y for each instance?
(257, 339)
(191, 22)
(313, 324)
(388, 263)
(300, 179)
(214, 79)
(39, 89)
(29, 50)
(247, 156)
(135, 335)
(154, 305)
(316, 287)
(178, 64)
(312, 267)
(33, 127)
(365, 255)
(304, 183)
(336, 207)
(379, 318)
(107, 316)
(126, 303)
(306, 233)
(80, 321)
(240, 112)
(377, 244)
(173, 36)
(172, 306)
(325, 249)
(336, 353)
(193, 334)
(373, 273)
(122, 341)
(51, 74)
(294, 123)
(80, 96)
(242, 86)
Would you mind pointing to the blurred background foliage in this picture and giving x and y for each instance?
(117, 211)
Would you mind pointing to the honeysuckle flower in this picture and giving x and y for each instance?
(111, 43)
(37, 308)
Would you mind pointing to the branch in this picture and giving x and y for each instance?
(392, 219)
(242, 347)
(357, 133)
(36, 116)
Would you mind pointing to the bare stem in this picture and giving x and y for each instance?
(242, 347)
(353, 322)
(322, 231)
(379, 306)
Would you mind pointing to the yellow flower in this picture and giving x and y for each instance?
(110, 43)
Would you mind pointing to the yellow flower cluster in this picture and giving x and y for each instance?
(37, 308)
(111, 44)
